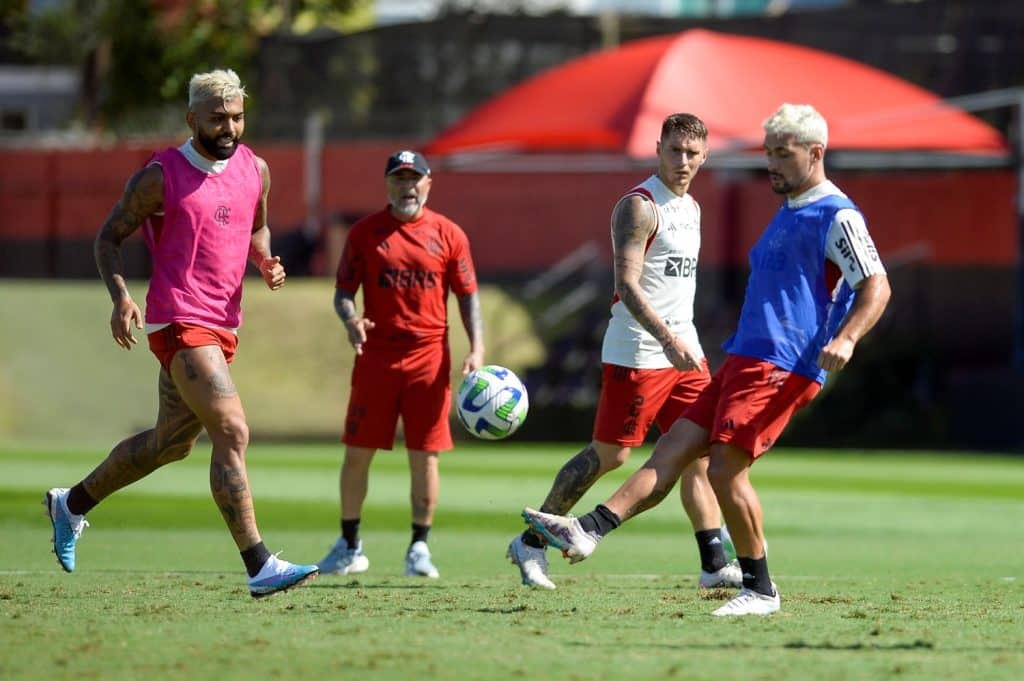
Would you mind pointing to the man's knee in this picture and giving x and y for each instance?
(725, 469)
(611, 456)
(231, 432)
(696, 470)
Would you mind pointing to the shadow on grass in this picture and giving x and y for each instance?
(390, 586)
(914, 645)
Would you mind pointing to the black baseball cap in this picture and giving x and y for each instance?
(407, 160)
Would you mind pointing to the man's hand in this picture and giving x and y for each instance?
(273, 272)
(473, 361)
(681, 356)
(836, 354)
(125, 312)
(357, 329)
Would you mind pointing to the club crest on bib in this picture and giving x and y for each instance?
(222, 215)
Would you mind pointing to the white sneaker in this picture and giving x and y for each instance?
(728, 577)
(748, 602)
(341, 560)
(280, 575)
(532, 562)
(417, 562)
(563, 532)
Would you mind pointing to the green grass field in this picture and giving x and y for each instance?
(890, 566)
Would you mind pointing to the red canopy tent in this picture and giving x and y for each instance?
(615, 101)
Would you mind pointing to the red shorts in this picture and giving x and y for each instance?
(166, 342)
(749, 402)
(414, 384)
(633, 399)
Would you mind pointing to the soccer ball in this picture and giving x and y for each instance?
(492, 402)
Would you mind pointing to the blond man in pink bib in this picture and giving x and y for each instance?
(202, 207)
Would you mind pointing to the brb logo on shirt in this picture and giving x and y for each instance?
(676, 266)
(222, 215)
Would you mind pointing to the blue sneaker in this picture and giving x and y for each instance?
(280, 575)
(67, 527)
(341, 560)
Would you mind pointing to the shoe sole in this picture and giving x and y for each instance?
(305, 580)
(567, 553)
(47, 502)
(342, 573)
(411, 573)
(720, 585)
(745, 614)
(548, 537)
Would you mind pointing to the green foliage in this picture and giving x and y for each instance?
(890, 566)
(135, 59)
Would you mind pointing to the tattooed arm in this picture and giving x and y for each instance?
(143, 196)
(469, 309)
(259, 251)
(633, 223)
(355, 326)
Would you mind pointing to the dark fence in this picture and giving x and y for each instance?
(413, 80)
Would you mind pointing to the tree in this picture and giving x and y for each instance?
(136, 57)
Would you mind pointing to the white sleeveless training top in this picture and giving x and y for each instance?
(669, 280)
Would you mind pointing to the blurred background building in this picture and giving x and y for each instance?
(89, 87)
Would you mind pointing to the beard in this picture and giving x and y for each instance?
(779, 184)
(409, 209)
(210, 146)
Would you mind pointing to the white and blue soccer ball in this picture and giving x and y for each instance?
(492, 402)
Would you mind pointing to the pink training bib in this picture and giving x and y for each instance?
(200, 245)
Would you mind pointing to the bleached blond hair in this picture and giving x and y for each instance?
(802, 121)
(223, 84)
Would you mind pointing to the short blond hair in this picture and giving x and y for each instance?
(222, 84)
(802, 121)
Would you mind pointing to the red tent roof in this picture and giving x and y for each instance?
(615, 101)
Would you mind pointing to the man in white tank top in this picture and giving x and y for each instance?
(653, 366)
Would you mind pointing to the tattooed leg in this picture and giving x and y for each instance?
(204, 382)
(580, 473)
(136, 457)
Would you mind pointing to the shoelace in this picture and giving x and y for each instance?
(77, 528)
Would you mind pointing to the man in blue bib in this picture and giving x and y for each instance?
(816, 287)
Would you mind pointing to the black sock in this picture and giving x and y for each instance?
(709, 543)
(755, 575)
(530, 538)
(254, 557)
(419, 533)
(350, 532)
(600, 521)
(79, 502)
